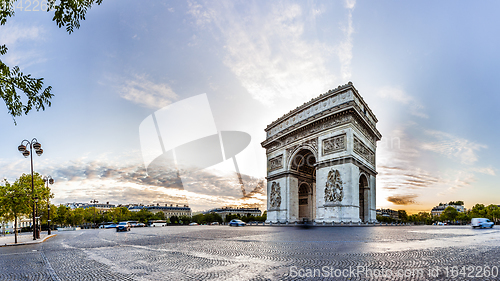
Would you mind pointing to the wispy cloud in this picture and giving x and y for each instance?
(453, 147)
(266, 49)
(345, 47)
(397, 94)
(13, 36)
(485, 170)
(84, 180)
(147, 93)
(407, 165)
(18, 33)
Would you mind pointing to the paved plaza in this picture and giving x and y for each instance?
(260, 253)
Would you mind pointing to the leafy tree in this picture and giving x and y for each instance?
(403, 216)
(14, 202)
(62, 213)
(185, 219)
(449, 213)
(159, 216)
(67, 13)
(463, 217)
(479, 211)
(175, 219)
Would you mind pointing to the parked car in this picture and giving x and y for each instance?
(123, 226)
(215, 223)
(481, 223)
(113, 225)
(140, 224)
(193, 223)
(236, 222)
(133, 223)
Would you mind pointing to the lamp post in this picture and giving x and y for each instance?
(48, 179)
(94, 202)
(36, 218)
(38, 149)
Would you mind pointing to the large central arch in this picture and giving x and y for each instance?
(302, 169)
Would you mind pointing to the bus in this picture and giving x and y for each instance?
(155, 223)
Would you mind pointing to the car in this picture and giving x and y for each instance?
(215, 223)
(481, 223)
(113, 225)
(236, 222)
(123, 226)
(140, 224)
(193, 223)
(133, 223)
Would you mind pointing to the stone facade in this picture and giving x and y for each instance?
(321, 160)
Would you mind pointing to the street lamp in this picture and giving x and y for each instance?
(94, 202)
(36, 218)
(48, 179)
(38, 150)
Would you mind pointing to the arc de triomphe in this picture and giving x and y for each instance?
(321, 160)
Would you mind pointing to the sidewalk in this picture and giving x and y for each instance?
(25, 238)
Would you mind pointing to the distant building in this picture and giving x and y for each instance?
(438, 210)
(100, 207)
(388, 213)
(168, 211)
(223, 212)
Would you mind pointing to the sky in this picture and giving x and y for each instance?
(427, 69)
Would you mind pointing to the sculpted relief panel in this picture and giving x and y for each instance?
(275, 163)
(334, 144)
(275, 198)
(363, 151)
(334, 190)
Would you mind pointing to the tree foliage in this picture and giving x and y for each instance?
(68, 14)
(16, 200)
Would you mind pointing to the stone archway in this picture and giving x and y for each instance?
(303, 170)
(363, 198)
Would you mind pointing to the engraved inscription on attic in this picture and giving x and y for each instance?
(334, 144)
(363, 151)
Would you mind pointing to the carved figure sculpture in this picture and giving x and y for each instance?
(334, 190)
(275, 195)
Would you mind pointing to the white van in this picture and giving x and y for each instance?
(481, 223)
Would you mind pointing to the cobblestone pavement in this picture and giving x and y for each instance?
(260, 253)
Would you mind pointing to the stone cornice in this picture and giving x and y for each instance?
(316, 106)
(314, 125)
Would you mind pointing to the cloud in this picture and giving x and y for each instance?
(345, 47)
(141, 90)
(16, 33)
(404, 165)
(204, 189)
(13, 36)
(485, 170)
(402, 199)
(266, 49)
(415, 107)
(453, 147)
